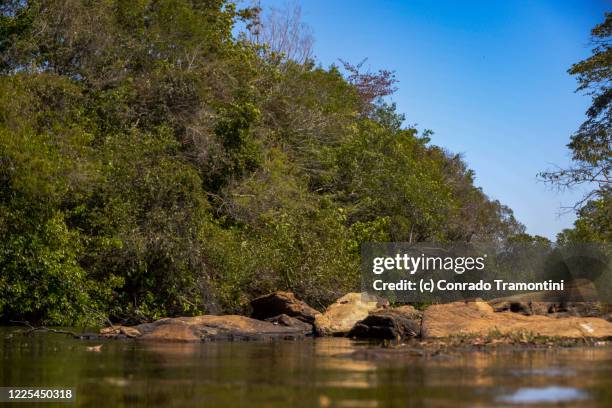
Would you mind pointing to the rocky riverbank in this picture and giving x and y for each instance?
(280, 315)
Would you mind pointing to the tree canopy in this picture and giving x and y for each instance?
(153, 163)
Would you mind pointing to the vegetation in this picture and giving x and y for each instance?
(591, 145)
(154, 163)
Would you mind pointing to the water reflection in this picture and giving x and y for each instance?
(324, 372)
(545, 394)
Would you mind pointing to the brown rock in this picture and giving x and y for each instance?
(288, 321)
(110, 330)
(279, 303)
(517, 306)
(552, 309)
(114, 331)
(480, 318)
(207, 328)
(396, 323)
(578, 299)
(340, 317)
(172, 330)
(129, 331)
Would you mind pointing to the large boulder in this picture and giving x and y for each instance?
(340, 317)
(479, 318)
(392, 323)
(206, 328)
(282, 303)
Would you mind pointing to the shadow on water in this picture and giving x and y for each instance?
(310, 373)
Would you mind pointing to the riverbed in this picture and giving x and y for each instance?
(324, 372)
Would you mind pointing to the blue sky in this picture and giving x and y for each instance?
(488, 77)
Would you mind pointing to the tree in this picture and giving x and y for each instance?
(282, 32)
(370, 86)
(152, 164)
(594, 223)
(591, 144)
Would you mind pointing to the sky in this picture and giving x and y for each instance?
(488, 77)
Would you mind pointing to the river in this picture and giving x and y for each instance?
(327, 372)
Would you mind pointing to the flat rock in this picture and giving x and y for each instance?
(478, 317)
(578, 299)
(126, 331)
(340, 317)
(552, 309)
(392, 323)
(288, 321)
(206, 328)
(279, 303)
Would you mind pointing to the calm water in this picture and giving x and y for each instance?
(312, 373)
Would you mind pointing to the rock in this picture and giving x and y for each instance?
(578, 299)
(110, 330)
(516, 306)
(279, 303)
(479, 318)
(396, 323)
(206, 328)
(288, 321)
(173, 330)
(340, 317)
(552, 309)
(129, 331)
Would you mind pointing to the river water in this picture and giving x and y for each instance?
(328, 372)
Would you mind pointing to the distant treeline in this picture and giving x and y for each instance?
(153, 162)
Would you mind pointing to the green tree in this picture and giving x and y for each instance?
(594, 223)
(591, 145)
(154, 164)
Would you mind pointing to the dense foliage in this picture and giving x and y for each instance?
(154, 163)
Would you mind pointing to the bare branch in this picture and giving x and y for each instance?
(282, 32)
